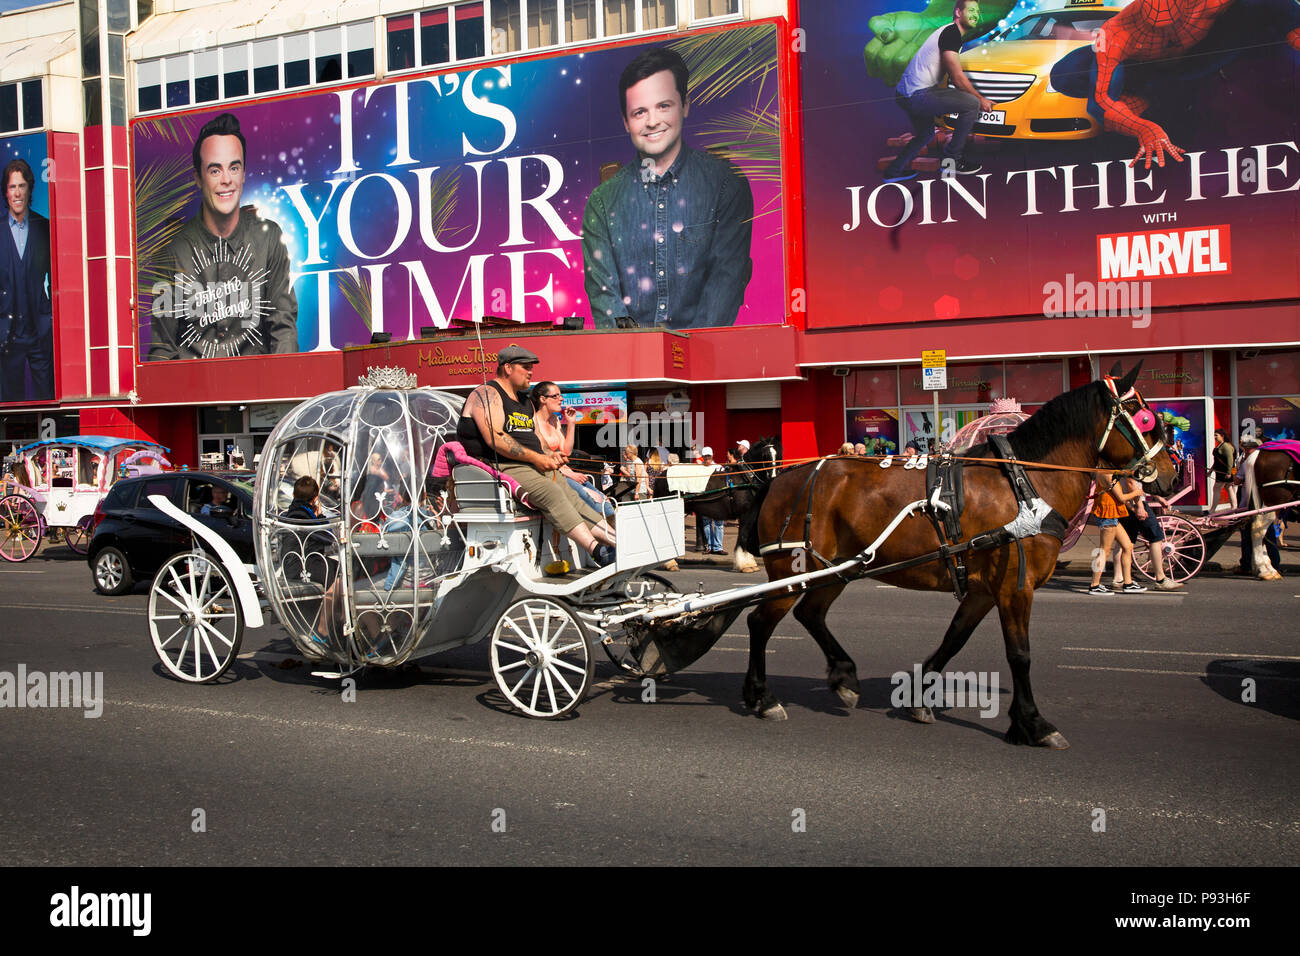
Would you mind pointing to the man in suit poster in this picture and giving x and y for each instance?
(26, 314)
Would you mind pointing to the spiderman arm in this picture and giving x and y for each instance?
(1115, 42)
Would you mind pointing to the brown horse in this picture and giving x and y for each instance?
(1272, 478)
(805, 522)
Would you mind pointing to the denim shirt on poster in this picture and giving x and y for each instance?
(670, 250)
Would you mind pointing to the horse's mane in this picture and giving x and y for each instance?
(1074, 413)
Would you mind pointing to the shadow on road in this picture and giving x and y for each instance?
(1276, 684)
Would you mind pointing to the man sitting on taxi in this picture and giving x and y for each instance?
(496, 426)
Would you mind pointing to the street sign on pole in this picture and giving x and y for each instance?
(934, 378)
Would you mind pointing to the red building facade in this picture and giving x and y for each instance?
(850, 281)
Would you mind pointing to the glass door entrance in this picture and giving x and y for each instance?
(226, 451)
(918, 422)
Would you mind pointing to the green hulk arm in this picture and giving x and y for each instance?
(897, 36)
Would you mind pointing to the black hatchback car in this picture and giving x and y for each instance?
(132, 538)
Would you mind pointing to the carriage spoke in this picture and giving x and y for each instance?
(221, 637)
(564, 623)
(552, 672)
(176, 579)
(550, 689)
(566, 664)
(515, 627)
(212, 654)
(568, 647)
(173, 601)
(537, 685)
(523, 680)
(517, 650)
(173, 633)
(510, 667)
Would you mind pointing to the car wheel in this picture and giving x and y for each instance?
(112, 573)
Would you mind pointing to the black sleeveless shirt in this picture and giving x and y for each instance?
(518, 425)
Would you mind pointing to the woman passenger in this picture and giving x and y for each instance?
(548, 403)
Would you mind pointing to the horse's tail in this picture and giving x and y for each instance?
(748, 533)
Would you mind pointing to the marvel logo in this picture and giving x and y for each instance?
(1205, 250)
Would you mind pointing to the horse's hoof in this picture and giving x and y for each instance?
(848, 697)
(1053, 741)
(922, 715)
(775, 712)
(1271, 577)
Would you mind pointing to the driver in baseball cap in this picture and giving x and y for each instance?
(496, 425)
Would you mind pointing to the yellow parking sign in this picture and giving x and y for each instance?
(934, 358)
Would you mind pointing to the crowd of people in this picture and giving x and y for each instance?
(530, 433)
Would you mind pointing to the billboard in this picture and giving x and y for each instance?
(1271, 419)
(875, 428)
(26, 302)
(517, 190)
(1112, 164)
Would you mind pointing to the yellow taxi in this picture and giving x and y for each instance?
(1013, 68)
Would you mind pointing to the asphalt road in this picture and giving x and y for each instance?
(428, 767)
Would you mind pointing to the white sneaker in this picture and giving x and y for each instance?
(1168, 584)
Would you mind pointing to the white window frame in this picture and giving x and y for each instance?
(563, 41)
(718, 18)
(361, 27)
(24, 126)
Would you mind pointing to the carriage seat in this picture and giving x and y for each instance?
(436, 559)
(478, 486)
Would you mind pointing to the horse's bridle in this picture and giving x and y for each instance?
(1141, 466)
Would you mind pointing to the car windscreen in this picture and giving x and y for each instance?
(1078, 26)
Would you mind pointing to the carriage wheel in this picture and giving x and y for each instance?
(540, 657)
(20, 528)
(1184, 549)
(195, 618)
(641, 586)
(78, 538)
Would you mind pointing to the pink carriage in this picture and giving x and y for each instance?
(54, 486)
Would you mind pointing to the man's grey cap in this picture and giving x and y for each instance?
(515, 353)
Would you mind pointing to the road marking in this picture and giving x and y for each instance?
(42, 570)
(1131, 650)
(351, 730)
(1191, 816)
(1146, 670)
(76, 607)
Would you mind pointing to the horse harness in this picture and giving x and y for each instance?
(944, 504)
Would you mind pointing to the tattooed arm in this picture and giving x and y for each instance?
(484, 406)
